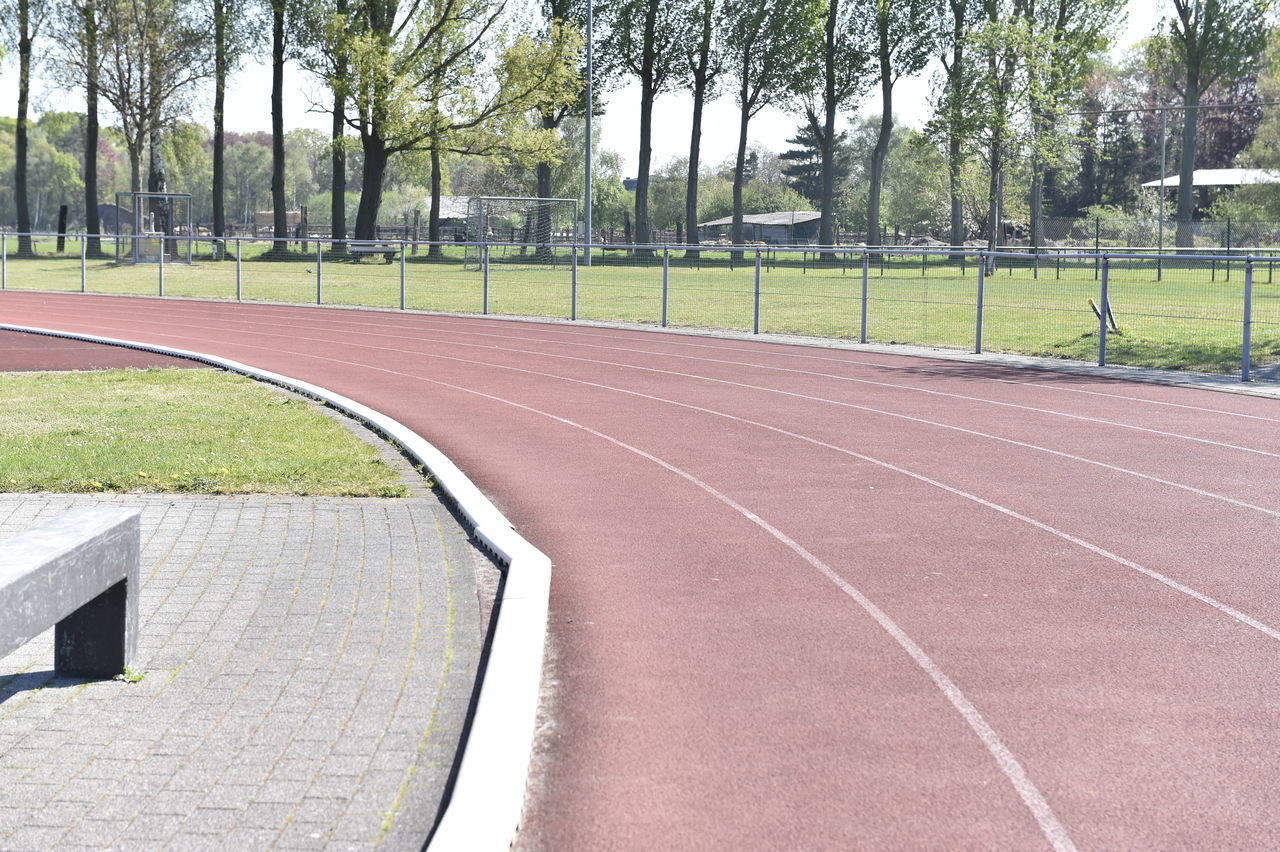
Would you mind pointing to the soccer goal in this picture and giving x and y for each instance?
(535, 231)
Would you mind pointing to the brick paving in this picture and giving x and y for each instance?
(307, 663)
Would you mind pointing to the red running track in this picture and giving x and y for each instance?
(829, 599)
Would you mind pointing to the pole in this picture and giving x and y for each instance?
(977, 344)
(666, 268)
(319, 279)
(83, 277)
(4, 263)
(239, 278)
(755, 325)
(484, 262)
(402, 280)
(1103, 308)
(1246, 354)
(590, 131)
(573, 283)
(866, 267)
(161, 238)
(1160, 239)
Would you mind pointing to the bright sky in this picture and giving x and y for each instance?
(249, 109)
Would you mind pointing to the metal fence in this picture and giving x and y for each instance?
(1216, 313)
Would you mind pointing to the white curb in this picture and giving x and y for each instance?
(484, 810)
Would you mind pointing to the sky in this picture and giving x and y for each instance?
(248, 106)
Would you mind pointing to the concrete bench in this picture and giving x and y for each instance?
(79, 574)
(362, 249)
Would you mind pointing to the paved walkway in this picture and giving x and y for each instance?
(307, 667)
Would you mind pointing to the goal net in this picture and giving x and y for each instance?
(534, 231)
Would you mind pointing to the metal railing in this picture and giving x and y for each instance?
(1216, 312)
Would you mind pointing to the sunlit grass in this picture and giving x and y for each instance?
(201, 431)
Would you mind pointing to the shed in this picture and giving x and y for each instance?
(790, 227)
(1220, 177)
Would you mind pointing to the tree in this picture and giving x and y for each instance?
(647, 38)
(443, 74)
(804, 161)
(833, 75)
(905, 36)
(234, 33)
(1064, 35)
(154, 55)
(75, 31)
(279, 212)
(25, 19)
(1209, 40)
(955, 116)
(764, 44)
(702, 67)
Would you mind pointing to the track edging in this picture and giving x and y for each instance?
(485, 807)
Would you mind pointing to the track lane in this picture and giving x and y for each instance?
(691, 450)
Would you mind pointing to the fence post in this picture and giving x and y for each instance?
(1103, 307)
(573, 282)
(666, 270)
(4, 262)
(866, 268)
(982, 279)
(402, 277)
(319, 274)
(484, 266)
(239, 280)
(161, 238)
(83, 276)
(1246, 347)
(755, 324)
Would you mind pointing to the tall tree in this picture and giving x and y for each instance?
(1209, 40)
(905, 37)
(25, 18)
(75, 31)
(233, 33)
(833, 76)
(155, 54)
(551, 112)
(703, 65)
(1064, 35)
(647, 38)
(442, 72)
(955, 115)
(279, 211)
(764, 44)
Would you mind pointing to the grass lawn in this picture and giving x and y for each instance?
(202, 431)
(1188, 317)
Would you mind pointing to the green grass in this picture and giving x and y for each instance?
(168, 431)
(1189, 319)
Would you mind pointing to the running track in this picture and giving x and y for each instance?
(826, 599)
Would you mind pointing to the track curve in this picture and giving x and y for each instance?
(833, 599)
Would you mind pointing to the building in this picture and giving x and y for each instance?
(788, 228)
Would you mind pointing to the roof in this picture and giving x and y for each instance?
(789, 217)
(1223, 177)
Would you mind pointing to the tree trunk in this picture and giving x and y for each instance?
(92, 222)
(881, 151)
(827, 138)
(955, 150)
(646, 153)
(433, 217)
(375, 167)
(543, 175)
(744, 118)
(695, 138)
(219, 101)
(279, 213)
(1187, 156)
(20, 142)
(993, 193)
(338, 184)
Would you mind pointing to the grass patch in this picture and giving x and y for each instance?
(176, 431)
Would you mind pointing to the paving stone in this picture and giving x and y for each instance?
(284, 698)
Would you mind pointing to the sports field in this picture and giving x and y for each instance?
(1191, 316)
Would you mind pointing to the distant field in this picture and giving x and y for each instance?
(1192, 319)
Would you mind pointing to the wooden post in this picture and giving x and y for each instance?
(62, 228)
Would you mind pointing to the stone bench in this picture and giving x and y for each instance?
(79, 574)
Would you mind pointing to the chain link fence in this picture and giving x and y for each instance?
(1209, 312)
